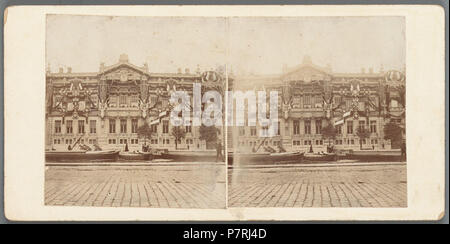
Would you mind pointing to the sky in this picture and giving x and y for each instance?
(258, 45)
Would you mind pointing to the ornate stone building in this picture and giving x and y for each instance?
(107, 107)
(311, 97)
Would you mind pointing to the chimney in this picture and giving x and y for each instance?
(198, 69)
(186, 71)
(69, 70)
(123, 58)
(102, 67)
(381, 68)
(61, 70)
(179, 70)
(146, 67)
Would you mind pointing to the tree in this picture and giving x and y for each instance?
(329, 132)
(145, 131)
(363, 134)
(393, 132)
(208, 133)
(178, 133)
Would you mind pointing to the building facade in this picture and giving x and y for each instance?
(311, 97)
(107, 107)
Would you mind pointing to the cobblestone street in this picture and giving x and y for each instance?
(175, 186)
(367, 185)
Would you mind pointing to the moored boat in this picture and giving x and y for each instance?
(107, 155)
(264, 158)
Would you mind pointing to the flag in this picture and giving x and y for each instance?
(162, 114)
(339, 122)
(346, 114)
(154, 122)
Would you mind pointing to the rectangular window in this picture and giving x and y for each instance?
(112, 141)
(112, 101)
(307, 100)
(123, 100)
(153, 99)
(296, 127)
(81, 126)
(349, 127)
(154, 128)
(278, 129)
(134, 125)
(307, 127)
(165, 126)
(241, 130)
(112, 126)
(93, 126)
(188, 129)
(361, 125)
(373, 126)
(69, 128)
(318, 126)
(134, 101)
(123, 126)
(253, 131)
(58, 126)
(337, 100)
(339, 129)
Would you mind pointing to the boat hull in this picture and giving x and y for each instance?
(190, 156)
(81, 156)
(322, 158)
(135, 156)
(264, 158)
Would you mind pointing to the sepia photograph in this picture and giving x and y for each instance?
(110, 140)
(337, 89)
(224, 113)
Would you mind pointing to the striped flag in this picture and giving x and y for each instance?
(339, 122)
(154, 122)
(346, 114)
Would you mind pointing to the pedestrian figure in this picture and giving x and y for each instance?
(126, 147)
(403, 150)
(69, 148)
(219, 150)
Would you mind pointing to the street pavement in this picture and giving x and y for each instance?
(136, 185)
(203, 185)
(320, 185)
